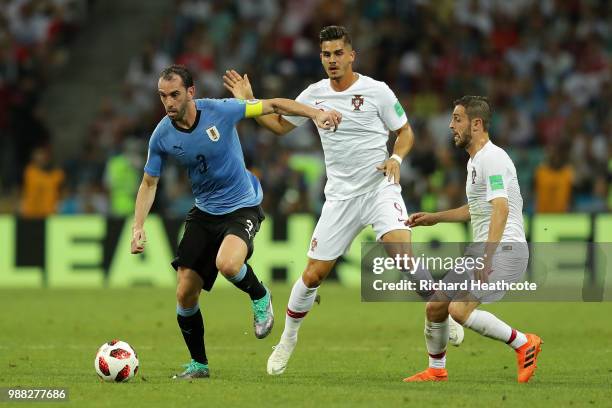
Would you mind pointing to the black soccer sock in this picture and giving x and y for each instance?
(192, 327)
(247, 281)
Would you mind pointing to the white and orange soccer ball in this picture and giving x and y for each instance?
(116, 361)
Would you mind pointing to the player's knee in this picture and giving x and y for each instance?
(458, 312)
(312, 278)
(228, 267)
(436, 311)
(398, 236)
(186, 297)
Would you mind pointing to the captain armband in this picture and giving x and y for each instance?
(253, 108)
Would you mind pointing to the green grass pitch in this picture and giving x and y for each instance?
(349, 353)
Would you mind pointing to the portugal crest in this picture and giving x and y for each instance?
(313, 244)
(357, 102)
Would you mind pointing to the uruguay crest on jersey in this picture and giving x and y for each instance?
(213, 133)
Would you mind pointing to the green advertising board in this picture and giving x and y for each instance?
(93, 251)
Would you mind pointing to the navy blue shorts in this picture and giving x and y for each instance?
(204, 234)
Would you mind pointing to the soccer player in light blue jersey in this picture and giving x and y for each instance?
(201, 134)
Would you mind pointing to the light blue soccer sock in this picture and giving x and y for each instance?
(187, 311)
(239, 276)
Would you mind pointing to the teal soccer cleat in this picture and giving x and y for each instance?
(193, 370)
(263, 315)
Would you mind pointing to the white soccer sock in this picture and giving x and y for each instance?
(490, 326)
(300, 302)
(517, 339)
(436, 339)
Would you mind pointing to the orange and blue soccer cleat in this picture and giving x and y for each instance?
(431, 374)
(527, 357)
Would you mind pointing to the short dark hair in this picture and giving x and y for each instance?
(476, 107)
(333, 32)
(178, 70)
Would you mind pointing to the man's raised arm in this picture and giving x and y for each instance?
(240, 87)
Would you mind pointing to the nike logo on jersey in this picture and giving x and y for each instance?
(318, 102)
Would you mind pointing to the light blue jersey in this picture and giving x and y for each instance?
(211, 152)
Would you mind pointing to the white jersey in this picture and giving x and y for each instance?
(369, 110)
(491, 174)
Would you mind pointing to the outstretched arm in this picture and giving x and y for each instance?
(281, 106)
(240, 87)
(275, 123)
(460, 214)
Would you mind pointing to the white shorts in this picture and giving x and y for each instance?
(506, 269)
(342, 220)
(509, 265)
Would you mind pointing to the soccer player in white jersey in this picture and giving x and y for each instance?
(357, 192)
(495, 210)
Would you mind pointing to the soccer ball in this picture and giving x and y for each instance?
(116, 361)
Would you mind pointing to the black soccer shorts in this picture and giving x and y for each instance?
(204, 234)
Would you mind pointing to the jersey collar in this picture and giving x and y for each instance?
(192, 128)
(347, 90)
(485, 147)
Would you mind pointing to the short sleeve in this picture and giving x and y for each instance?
(156, 156)
(390, 109)
(234, 109)
(497, 176)
(299, 120)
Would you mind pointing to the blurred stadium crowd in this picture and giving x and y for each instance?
(545, 65)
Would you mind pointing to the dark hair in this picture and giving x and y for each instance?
(476, 107)
(331, 33)
(180, 71)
